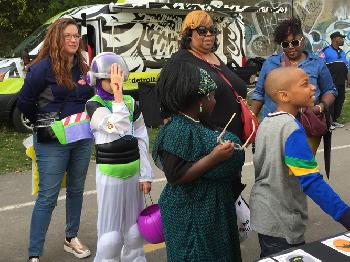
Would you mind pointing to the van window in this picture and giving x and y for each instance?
(31, 41)
(11, 71)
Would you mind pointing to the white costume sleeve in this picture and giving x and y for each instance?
(115, 122)
(146, 172)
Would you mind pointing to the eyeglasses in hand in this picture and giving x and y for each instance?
(236, 146)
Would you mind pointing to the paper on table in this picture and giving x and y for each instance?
(296, 256)
(340, 244)
(267, 260)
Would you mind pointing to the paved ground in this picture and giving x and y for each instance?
(16, 205)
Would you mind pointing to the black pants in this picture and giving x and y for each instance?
(337, 106)
(272, 245)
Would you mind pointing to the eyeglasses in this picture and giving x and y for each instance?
(294, 43)
(236, 146)
(203, 31)
(69, 37)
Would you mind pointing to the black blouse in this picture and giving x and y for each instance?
(226, 103)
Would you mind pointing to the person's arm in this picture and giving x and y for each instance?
(325, 83)
(300, 160)
(258, 95)
(256, 106)
(220, 153)
(102, 119)
(146, 172)
(34, 84)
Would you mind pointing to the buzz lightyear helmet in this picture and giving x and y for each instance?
(101, 67)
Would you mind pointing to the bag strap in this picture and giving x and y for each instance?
(220, 73)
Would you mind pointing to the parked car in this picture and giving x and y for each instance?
(11, 81)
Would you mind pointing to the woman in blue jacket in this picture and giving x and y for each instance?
(54, 89)
(290, 36)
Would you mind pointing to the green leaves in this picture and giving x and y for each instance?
(19, 18)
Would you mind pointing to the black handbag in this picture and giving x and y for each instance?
(43, 123)
(43, 128)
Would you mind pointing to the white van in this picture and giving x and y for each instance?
(145, 34)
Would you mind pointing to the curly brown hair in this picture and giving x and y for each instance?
(53, 48)
(289, 26)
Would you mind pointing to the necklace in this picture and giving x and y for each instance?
(191, 118)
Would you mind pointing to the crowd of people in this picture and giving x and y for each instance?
(197, 95)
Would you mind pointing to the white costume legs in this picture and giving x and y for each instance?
(119, 204)
(133, 242)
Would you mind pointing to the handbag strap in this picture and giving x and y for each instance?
(220, 73)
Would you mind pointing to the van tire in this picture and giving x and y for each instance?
(20, 123)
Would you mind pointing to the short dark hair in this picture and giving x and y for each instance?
(186, 40)
(287, 27)
(177, 87)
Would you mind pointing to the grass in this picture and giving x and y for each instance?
(14, 160)
(12, 155)
(345, 114)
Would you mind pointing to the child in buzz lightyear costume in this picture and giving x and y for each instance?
(123, 170)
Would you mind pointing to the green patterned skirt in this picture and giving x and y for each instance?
(204, 227)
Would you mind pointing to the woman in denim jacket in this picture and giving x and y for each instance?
(290, 36)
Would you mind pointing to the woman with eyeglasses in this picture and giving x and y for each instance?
(54, 89)
(197, 46)
(289, 35)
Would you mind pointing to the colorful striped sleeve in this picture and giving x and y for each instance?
(301, 162)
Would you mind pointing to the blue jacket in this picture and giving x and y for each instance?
(41, 93)
(337, 64)
(315, 67)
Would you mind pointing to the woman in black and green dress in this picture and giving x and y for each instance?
(197, 204)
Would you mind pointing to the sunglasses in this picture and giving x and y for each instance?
(203, 31)
(293, 43)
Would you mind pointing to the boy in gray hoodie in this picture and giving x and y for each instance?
(286, 170)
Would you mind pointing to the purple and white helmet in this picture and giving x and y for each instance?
(101, 67)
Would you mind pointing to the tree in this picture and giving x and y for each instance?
(19, 18)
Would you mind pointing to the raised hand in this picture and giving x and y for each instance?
(117, 78)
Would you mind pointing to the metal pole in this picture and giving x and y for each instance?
(292, 8)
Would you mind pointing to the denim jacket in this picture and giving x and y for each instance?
(315, 67)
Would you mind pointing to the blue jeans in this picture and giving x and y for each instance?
(272, 245)
(53, 160)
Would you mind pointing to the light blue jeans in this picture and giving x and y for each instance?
(53, 160)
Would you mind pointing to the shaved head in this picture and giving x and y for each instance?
(280, 79)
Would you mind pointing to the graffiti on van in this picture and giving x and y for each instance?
(146, 40)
